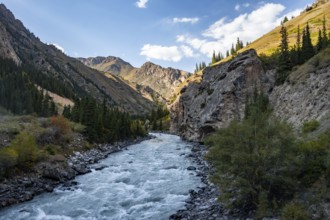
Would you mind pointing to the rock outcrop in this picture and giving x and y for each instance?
(6, 50)
(220, 96)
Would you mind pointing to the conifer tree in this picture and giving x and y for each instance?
(320, 42)
(232, 50)
(219, 57)
(239, 45)
(298, 47)
(214, 60)
(284, 57)
(285, 19)
(307, 49)
(324, 33)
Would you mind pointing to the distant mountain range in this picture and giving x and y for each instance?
(163, 81)
(134, 90)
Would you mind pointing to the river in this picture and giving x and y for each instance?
(149, 180)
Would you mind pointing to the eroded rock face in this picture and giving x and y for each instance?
(303, 97)
(220, 96)
(6, 50)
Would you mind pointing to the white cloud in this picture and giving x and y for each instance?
(248, 27)
(141, 3)
(187, 51)
(180, 38)
(185, 20)
(204, 46)
(58, 47)
(245, 5)
(161, 52)
(171, 53)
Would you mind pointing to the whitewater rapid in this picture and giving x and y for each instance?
(149, 180)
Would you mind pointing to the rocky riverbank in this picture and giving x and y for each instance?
(202, 203)
(59, 170)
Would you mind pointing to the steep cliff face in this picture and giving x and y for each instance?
(6, 50)
(219, 97)
(306, 94)
(22, 46)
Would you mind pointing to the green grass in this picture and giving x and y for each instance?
(268, 43)
(310, 126)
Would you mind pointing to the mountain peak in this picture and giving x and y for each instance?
(148, 64)
(112, 64)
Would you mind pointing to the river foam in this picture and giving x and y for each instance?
(149, 180)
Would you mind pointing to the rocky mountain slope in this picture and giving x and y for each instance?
(221, 95)
(153, 79)
(20, 45)
(306, 94)
(162, 80)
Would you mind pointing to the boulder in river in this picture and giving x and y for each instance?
(191, 168)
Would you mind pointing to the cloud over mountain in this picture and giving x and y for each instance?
(248, 26)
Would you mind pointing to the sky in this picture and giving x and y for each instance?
(171, 33)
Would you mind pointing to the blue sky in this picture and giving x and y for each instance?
(175, 33)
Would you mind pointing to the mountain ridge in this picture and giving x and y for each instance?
(22, 46)
(163, 81)
(112, 64)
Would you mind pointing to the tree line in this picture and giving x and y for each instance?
(19, 93)
(158, 117)
(302, 50)
(216, 57)
(102, 123)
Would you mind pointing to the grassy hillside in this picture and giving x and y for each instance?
(269, 43)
